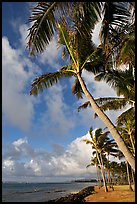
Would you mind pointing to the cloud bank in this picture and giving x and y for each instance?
(20, 160)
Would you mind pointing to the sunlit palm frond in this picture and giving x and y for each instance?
(87, 141)
(49, 79)
(126, 115)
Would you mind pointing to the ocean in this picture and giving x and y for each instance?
(39, 192)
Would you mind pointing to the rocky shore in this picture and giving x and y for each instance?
(77, 197)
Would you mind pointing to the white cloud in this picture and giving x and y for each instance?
(17, 107)
(57, 118)
(51, 55)
(72, 162)
(23, 30)
(95, 35)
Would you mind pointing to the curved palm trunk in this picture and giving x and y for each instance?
(129, 157)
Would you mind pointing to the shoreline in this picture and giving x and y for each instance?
(76, 196)
(121, 193)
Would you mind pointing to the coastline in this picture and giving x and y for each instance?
(76, 196)
(121, 193)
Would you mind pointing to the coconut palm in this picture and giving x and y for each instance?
(128, 171)
(102, 144)
(107, 165)
(71, 37)
(46, 16)
(94, 162)
(127, 129)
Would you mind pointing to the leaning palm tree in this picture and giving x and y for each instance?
(74, 41)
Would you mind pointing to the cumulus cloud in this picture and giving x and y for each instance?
(52, 55)
(17, 106)
(69, 163)
(57, 117)
(95, 35)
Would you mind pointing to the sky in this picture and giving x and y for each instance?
(42, 137)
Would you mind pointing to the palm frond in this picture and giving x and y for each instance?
(112, 103)
(87, 141)
(44, 20)
(107, 103)
(114, 13)
(76, 89)
(96, 61)
(126, 54)
(85, 105)
(122, 81)
(49, 79)
(126, 115)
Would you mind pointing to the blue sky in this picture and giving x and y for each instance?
(41, 136)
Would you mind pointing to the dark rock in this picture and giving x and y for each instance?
(78, 197)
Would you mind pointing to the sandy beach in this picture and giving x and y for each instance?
(120, 194)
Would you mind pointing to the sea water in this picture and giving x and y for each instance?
(39, 192)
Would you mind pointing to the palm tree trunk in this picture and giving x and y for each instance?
(132, 143)
(133, 178)
(102, 172)
(129, 182)
(120, 142)
(97, 173)
(104, 179)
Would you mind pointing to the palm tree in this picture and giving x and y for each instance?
(126, 125)
(108, 169)
(102, 144)
(47, 15)
(128, 171)
(94, 162)
(71, 36)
